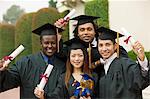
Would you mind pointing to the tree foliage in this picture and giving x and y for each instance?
(12, 14)
(52, 3)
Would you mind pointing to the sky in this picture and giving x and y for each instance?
(27, 5)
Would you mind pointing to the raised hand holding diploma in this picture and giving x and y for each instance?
(137, 46)
(62, 22)
(45, 77)
(8, 59)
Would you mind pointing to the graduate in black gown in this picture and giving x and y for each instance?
(26, 72)
(120, 77)
(85, 31)
(76, 66)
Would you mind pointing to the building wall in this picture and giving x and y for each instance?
(134, 16)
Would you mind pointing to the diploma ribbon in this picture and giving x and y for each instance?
(44, 76)
(8, 58)
(127, 40)
(67, 19)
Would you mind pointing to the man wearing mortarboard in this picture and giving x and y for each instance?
(121, 77)
(85, 31)
(27, 71)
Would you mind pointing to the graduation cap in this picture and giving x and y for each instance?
(82, 19)
(75, 44)
(107, 34)
(48, 29)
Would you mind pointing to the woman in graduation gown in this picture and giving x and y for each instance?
(76, 67)
(120, 78)
(26, 72)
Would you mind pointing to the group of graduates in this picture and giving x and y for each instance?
(85, 67)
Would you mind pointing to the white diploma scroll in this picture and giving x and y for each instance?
(14, 54)
(45, 77)
(69, 15)
(129, 37)
(127, 34)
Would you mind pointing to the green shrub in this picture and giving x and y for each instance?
(132, 55)
(99, 8)
(7, 42)
(24, 33)
(147, 55)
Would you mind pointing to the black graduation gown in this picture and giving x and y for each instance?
(122, 81)
(61, 92)
(26, 74)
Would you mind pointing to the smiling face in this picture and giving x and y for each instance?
(76, 58)
(106, 48)
(49, 44)
(86, 32)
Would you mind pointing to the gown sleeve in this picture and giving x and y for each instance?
(10, 78)
(134, 78)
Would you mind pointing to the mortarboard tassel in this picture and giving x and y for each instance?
(117, 45)
(89, 53)
(57, 40)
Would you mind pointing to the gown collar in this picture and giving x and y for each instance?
(46, 59)
(94, 43)
(108, 61)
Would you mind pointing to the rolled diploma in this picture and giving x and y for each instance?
(127, 34)
(14, 54)
(43, 80)
(72, 12)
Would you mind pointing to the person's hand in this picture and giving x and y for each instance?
(61, 23)
(2, 67)
(73, 97)
(39, 93)
(139, 50)
(85, 97)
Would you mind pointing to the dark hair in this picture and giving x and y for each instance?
(113, 40)
(69, 67)
(41, 37)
